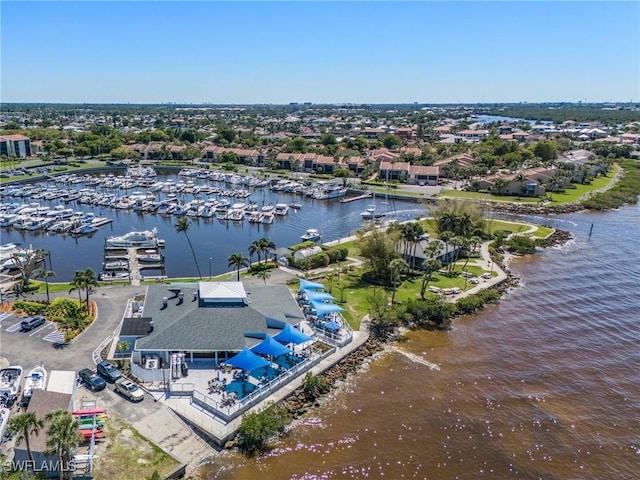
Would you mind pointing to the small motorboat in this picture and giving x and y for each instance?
(10, 380)
(36, 380)
(311, 235)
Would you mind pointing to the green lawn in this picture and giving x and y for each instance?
(542, 232)
(487, 197)
(397, 192)
(572, 195)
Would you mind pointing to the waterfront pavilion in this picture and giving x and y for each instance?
(210, 321)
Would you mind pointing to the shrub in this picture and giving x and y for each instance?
(521, 244)
(30, 307)
(257, 427)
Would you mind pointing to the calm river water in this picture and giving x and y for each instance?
(543, 385)
(213, 240)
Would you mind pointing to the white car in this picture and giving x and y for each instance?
(129, 389)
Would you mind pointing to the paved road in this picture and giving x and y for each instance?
(32, 348)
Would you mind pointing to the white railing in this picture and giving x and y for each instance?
(150, 376)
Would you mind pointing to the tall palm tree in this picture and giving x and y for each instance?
(396, 268)
(238, 261)
(255, 248)
(62, 436)
(182, 226)
(266, 246)
(77, 283)
(45, 274)
(90, 281)
(24, 424)
(521, 178)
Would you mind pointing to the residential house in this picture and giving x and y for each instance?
(15, 146)
(442, 130)
(465, 160)
(247, 156)
(473, 135)
(534, 183)
(391, 170)
(417, 256)
(406, 133)
(423, 175)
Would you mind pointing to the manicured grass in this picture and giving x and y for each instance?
(487, 197)
(515, 227)
(542, 232)
(572, 195)
(401, 193)
(358, 292)
(127, 454)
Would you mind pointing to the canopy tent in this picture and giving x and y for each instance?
(307, 285)
(270, 347)
(324, 308)
(247, 360)
(318, 296)
(292, 335)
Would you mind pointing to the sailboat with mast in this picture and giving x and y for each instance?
(372, 212)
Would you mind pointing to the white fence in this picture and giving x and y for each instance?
(150, 376)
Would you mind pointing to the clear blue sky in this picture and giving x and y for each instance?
(278, 52)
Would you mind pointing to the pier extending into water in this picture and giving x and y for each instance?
(359, 197)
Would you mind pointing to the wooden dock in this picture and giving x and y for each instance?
(359, 197)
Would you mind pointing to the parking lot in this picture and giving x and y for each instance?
(11, 324)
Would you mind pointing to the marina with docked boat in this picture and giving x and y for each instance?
(226, 210)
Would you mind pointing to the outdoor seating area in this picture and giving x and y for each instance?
(229, 382)
(322, 314)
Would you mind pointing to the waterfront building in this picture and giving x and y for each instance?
(15, 146)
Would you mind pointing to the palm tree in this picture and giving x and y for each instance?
(182, 226)
(499, 185)
(521, 178)
(432, 265)
(62, 436)
(255, 248)
(266, 246)
(263, 274)
(90, 281)
(396, 268)
(24, 424)
(44, 273)
(77, 283)
(446, 237)
(238, 261)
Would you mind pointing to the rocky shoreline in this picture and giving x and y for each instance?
(524, 209)
(297, 404)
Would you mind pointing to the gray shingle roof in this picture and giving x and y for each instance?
(190, 327)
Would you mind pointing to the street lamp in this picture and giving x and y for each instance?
(209, 268)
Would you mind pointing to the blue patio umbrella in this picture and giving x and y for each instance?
(269, 346)
(247, 360)
(333, 326)
(323, 308)
(307, 285)
(292, 335)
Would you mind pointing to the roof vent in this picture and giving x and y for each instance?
(195, 296)
(150, 326)
(180, 298)
(164, 303)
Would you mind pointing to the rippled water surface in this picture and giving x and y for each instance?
(543, 385)
(213, 240)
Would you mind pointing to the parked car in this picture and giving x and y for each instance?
(92, 380)
(129, 389)
(29, 323)
(108, 371)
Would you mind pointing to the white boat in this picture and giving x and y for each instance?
(295, 205)
(236, 215)
(7, 250)
(329, 190)
(267, 217)
(4, 420)
(281, 209)
(311, 235)
(371, 213)
(10, 380)
(150, 256)
(255, 217)
(138, 239)
(117, 265)
(36, 380)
